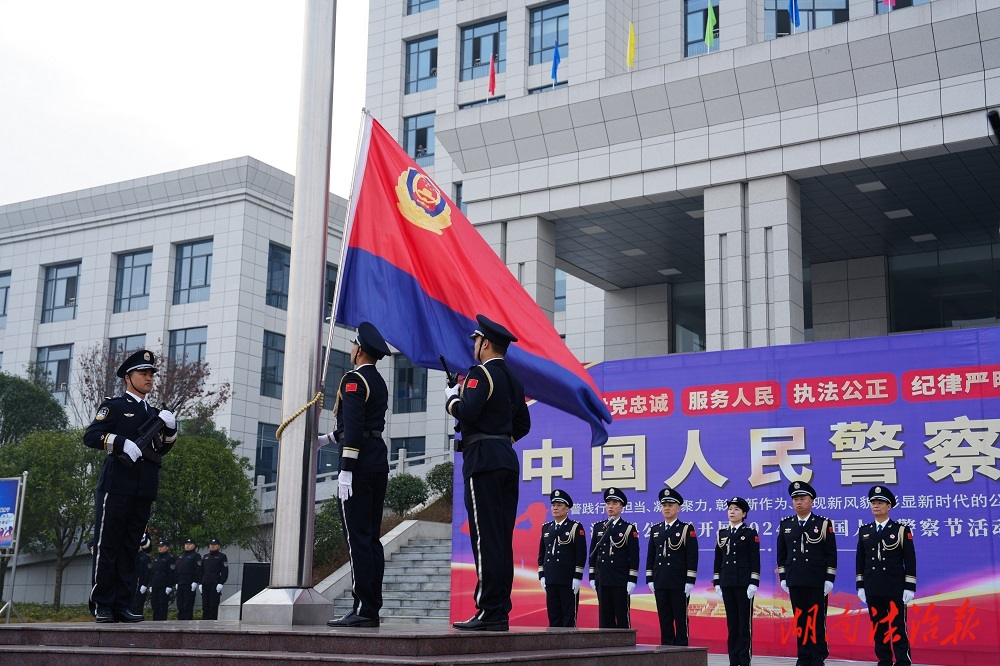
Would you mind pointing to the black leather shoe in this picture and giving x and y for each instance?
(104, 616)
(482, 625)
(128, 616)
(353, 620)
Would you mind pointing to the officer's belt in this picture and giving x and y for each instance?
(480, 436)
(367, 434)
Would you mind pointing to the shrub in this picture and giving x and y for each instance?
(329, 535)
(404, 492)
(441, 479)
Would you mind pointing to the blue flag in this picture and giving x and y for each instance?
(555, 62)
(793, 12)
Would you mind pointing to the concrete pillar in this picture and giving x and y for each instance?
(737, 23)
(726, 325)
(859, 9)
(637, 322)
(528, 247)
(850, 299)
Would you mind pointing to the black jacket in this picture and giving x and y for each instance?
(188, 567)
(361, 404)
(144, 569)
(562, 552)
(737, 557)
(886, 561)
(807, 556)
(164, 571)
(614, 557)
(672, 555)
(214, 568)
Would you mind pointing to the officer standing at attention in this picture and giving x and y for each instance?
(125, 490)
(144, 574)
(188, 575)
(887, 577)
(214, 574)
(364, 472)
(562, 554)
(614, 562)
(807, 567)
(736, 578)
(671, 568)
(162, 581)
(492, 415)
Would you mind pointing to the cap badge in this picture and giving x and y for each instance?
(878, 489)
(796, 486)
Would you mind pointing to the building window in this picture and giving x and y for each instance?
(328, 458)
(59, 302)
(53, 369)
(541, 89)
(560, 298)
(482, 102)
(415, 446)
(132, 281)
(331, 289)
(459, 201)
(340, 363)
(1, 361)
(279, 262)
(272, 365)
(193, 272)
(418, 138)
(121, 348)
(4, 298)
(549, 25)
(187, 345)
(695, 20)
(410, 386)
(881, 8)
(421, 64)
(417, 6)
(266, 464)
(479, 42)
(812, 14)
(687, 312)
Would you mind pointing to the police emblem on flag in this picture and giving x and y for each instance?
(421, 202)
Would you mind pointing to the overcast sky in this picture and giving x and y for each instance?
(94, 92)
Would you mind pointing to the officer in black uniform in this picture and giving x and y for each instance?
(188, 576)
(144, 574)
(162, 581)
(887, 577)
(736, 577)
(492, 416)
(807, 567)
(562, 554)
(671, 568)
(364, 472)
(214, 574)
(125, 492)
(614, 562)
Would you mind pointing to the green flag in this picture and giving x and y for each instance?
(710, 26)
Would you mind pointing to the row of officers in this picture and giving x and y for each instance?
(162, 577)
(886, 576)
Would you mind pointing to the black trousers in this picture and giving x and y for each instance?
(888, 616)
(361, 518)
(139, 602)
(613, 607)
(809, 607)
(739, 615)
(185, 601)
(671, 608)
(561, 605)
(491, 502)
(118, 525)
(210, 601)
(160, 601)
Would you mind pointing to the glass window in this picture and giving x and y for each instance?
(279, 262)
(415, 446)
(459, 201)
(549, 24)
(479, 42)
(340, 363)
(410, 386)
(132, 281)
(812, 14)
(421, 64)
(418, 138)
(193, 272)
(272, 365)
(695, 20)
(560, 301)
(59, 301)
(687, 311)
(541, 89)
(122, 347)
(881, 8)
(266, 464)
(417, 6)
(481, 102)
(53, 369)
(331, 288)
(1, 361)
(187, 345)
(4, 298)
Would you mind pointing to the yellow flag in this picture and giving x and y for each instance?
(630, 58)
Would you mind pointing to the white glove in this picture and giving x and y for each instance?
(862, 596)
(322, 441)
(718, 591)
(542, 581)
(345, 485)
(908, 596)
(652, 586)
(827, 586)
(450, 392)
(629, 587)
(194, 586)
(168, 590)
(688, 588)
(142, 589)
(751, 591)
(218, 588)
(576, 585)
(144, 542)
(168, 419)
(784, 586)
(199, 589)
(131, 450)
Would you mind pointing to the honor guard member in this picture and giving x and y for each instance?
(364, 472)
(126, 488)
(214, 574)
(887, 577)
(144, 575)
(188, 575)
(614, 562)
(492, 415)
(562, 554)
(671, 568)
(736, 576)
(163, 580)
(807, 567)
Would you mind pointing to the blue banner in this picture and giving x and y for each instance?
(8, 509)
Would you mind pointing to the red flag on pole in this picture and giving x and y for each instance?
(493, 75)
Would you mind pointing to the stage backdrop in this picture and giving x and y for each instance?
(917, 413)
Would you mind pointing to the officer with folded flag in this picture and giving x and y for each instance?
(562, 554)
(671, 568)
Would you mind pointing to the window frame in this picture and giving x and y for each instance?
(124, 303)
(4, 297)
(67, 284)
(173, 345)
(696, 47)
(62, 376)
(417, 6)
(415, 130)
(186, 266)
(279, 268)
(414, 81)
(539, 51)
(406, 372)
(471, 39)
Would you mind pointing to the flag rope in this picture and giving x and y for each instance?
(318, 398)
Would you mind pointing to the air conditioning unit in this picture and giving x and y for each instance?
(434, 71)
(476, 63)
(62, 387)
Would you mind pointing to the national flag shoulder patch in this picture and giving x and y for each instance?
(472, 383)
(351, 387)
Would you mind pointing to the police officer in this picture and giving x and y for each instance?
(162, 581)
(887, 577)
(214, 574)
(188, 575)
(144, 574)
(807, 567)
(125, 490)
(736, 576)
(492, 416)
(562, 554)
(364, 472)
(671, 568)
(614, 562)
